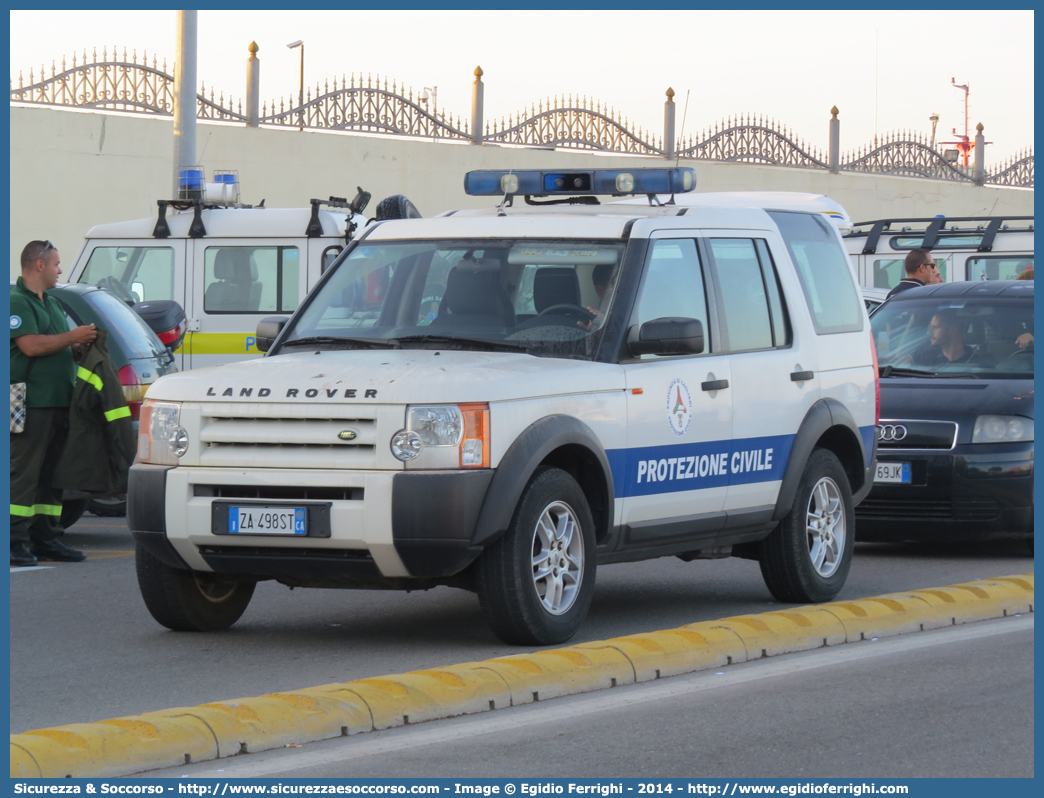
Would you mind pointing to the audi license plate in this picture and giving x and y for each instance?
(893, 473)
(267, 521)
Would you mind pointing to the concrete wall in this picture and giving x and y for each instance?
(74, 169)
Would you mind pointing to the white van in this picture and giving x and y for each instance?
(227, 265)
(966, 248)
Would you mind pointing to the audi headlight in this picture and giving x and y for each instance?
(444, 436)
(161, 440)
(1002, 429)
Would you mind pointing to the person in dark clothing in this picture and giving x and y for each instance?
(921, 269)
(945, 344)
(42, 357)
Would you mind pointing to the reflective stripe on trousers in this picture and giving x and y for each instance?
(37, 509)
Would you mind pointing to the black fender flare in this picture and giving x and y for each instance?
(522, 458)
(821, 417)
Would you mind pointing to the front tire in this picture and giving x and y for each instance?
(536, 583)
(807, 557)
(186, 601)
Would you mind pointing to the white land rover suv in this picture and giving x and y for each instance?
(502, 400)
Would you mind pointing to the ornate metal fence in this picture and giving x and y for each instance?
(578, 125)
(366, 108)
(127, 84)
(1017, 171)
(905, 154)
(754, 140)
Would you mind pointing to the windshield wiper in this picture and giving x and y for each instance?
(379, 343)
(900, 371)
(510, 346)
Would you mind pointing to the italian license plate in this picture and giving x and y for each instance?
(893, 473)
(267, 521)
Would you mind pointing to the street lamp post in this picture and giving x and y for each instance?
(300, 95)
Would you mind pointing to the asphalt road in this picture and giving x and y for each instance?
(905, 707)
(84, 648)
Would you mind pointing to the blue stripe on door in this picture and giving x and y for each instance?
(648, 470)
(677, 467)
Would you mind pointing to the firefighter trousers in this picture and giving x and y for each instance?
(36, 508)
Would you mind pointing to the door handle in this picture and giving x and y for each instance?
(801, 376)
(714, 385)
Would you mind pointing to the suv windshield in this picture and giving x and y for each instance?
(543, 297)
(978, 337)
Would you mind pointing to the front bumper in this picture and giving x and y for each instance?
(386, 527)
(971, 492)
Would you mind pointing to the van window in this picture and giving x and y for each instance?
(888, 272)
(145, 273)
(328, 257)
(998, 267)
(673, 285)
(251, 279)
(823, 271)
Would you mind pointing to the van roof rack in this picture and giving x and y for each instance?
(357, 205)
(934, 226)
(196, 229)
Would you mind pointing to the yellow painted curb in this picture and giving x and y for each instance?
(225, 728)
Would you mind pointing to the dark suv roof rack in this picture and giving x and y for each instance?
(935, 226)
(196, 229)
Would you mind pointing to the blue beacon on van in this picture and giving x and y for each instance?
(604, 182)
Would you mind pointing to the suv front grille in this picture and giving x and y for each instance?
(962, 508)
(278, 492)
(242, 436)
(918, 434)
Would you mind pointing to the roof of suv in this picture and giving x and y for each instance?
(564, 221)
(968, 288)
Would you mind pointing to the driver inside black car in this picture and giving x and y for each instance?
(946, 344)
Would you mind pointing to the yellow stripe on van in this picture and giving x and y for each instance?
(219, 344)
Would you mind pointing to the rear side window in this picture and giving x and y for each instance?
(998, 267)
(823, 271)
(132, 335)
(888, 272)
(251, 279)
(751, 300)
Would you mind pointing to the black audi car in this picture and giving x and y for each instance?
(955, 441)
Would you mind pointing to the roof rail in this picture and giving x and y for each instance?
(934, 227)
(196, 229)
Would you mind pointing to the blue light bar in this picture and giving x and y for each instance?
(603, 182)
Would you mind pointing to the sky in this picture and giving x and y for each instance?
(885, 71)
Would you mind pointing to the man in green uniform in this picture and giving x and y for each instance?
(42, 357)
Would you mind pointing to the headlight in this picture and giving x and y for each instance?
(161, 440)
(444, 436)
(438, 425)
(1002, 429)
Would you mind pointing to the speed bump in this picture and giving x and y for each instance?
(170, 737)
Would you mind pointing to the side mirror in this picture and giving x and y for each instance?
(268, 330)
(667, 336)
